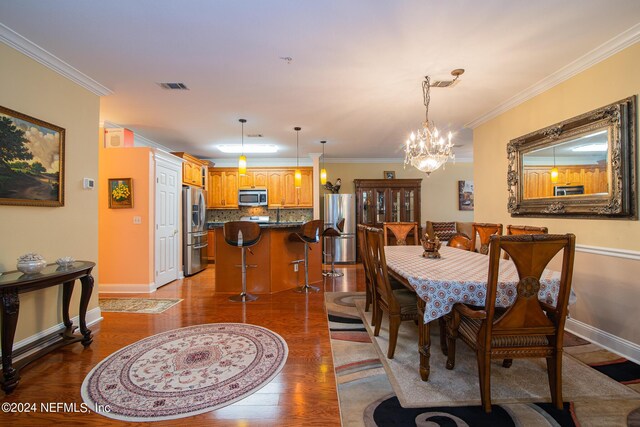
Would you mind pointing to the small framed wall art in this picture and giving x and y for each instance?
(465, 195)
(389, 174)
(120, 193)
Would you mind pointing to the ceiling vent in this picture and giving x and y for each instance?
(174, 86)
(254, 135)
(449, 83)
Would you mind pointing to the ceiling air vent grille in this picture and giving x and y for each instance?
(174, 86)
(444, 83)
(255, 135)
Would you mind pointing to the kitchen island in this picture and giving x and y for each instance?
(274, 256)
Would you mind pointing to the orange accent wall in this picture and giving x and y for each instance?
(125, 249)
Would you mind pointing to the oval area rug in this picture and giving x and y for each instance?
(184, 372)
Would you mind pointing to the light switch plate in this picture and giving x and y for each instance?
(137, 220)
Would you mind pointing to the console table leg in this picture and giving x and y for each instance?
(67, 290)
(10, 309)
(87, 288)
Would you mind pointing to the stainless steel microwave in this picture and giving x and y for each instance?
(252, 197)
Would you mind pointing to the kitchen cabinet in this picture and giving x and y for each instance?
(223, 188)
(194, 170)
(282, 191)
(211, 249)
(253, 179)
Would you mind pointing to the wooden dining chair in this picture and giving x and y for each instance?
(460, 241)
(484, 231)
(399, 304)
(369, 282)
(514, 230)
(400, 231)
(527, 328)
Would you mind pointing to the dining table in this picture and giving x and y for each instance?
(458, 276)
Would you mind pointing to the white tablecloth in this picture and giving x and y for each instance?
(460, 276)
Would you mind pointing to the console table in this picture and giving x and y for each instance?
(14, 283)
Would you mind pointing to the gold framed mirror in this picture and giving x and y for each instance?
(583, 167)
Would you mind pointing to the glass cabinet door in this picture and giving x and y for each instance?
(380, 206)
(366, 211)
(396, 206)
(409, 206)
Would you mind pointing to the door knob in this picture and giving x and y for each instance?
(175, 231)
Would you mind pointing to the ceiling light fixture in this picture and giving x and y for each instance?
(554, 169)
(323, 171)
(427, 150)
(249, 148)
(242, 160)
(298, 172)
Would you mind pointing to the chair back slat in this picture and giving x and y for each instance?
(364, 252)
(484, 231)
(400, 231)
(377, 258)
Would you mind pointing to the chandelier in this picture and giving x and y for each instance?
(427, 149)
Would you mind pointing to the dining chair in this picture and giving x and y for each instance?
(524, 229)
(460, 241)
(369, 282)
(484, 231)
(400, 231)
(399, 304)
(527, 328)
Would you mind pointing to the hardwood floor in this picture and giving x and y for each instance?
(303, 394)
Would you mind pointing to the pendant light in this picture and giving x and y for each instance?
(298, 173)
(554, 169)
(242, 160)
(323, 171)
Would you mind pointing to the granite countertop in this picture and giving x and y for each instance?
(212, 225)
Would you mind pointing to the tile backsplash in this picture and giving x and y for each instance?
(286, 215)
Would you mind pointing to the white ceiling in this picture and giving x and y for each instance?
(356, 73)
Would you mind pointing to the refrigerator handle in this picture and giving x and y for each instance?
(203, 210)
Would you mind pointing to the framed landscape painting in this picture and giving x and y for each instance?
(31, 161)
(465, 195)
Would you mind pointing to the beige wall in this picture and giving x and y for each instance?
(601, 298)
(71, 230)
(439, 196)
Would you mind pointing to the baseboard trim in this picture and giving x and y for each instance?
(93, 316)
(618, 253)
(128, 288)
(618, 345)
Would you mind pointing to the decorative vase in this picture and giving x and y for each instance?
(31, 263)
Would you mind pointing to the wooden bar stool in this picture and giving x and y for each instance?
(242, 234)
(331, 233)
(309, 234)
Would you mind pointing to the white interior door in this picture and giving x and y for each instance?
(167, 236)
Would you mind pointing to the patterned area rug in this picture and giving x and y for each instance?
(185, 372)
(137, 305)
(367, 397)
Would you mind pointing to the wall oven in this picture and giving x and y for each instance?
(252, 197)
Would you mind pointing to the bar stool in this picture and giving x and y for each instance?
(309, 234)
(242, 234)
(332, 233)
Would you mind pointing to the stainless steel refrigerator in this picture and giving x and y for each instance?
(194, 230)
(337, 207)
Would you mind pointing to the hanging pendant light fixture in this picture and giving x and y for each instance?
(554, 169)
(298, 173)
(427, 150)
(323, 171)
(242, 160)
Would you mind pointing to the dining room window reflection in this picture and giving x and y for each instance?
(582, 163)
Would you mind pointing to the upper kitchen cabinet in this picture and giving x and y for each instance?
(223, 188)
(282, 191)
(255, 178)
(194, 170)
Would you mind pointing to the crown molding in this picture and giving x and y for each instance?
(600, 53)
(35, 52)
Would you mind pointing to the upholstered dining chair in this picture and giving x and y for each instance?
(399, 304)
(527, 328)
(400, 231)
(309, 234)
(460, 241)
(484, 231)
(524, 229)
(369, 281)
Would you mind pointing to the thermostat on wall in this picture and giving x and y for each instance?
(88, 183)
